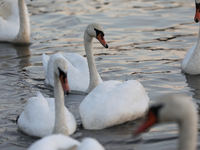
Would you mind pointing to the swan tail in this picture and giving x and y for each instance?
(40, 95)
(45, 60)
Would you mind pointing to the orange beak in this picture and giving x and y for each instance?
(197, 15)
(151, 120)
(102, 40)
(64, 84)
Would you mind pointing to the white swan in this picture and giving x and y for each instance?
(43, 116)
(111, 102)
(14, 21)
(191, 61)
(174, 108)
(78, 72)
(59, 141)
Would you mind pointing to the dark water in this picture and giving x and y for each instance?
(147, 39)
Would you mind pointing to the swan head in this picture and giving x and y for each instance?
(60, 69)
(168, 108)
(197, 1)
(197, 14)
(95, 30)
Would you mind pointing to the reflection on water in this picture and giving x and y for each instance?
(12, 59)
(194, 84)
(18, 56)
(147, 41)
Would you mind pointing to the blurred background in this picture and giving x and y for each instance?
(147, 42)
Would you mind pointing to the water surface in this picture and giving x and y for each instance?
(147, 42)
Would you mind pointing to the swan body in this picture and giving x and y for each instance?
(175, 108)
(78, 73)
(80, 70)
(42, 117)
(191, 61)
(14, 21)
(113, 102)
(59, 141)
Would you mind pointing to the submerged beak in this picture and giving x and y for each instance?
(64, 84)
(102, 40)
(197, 14)
(151, 120)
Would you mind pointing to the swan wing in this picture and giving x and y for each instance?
(55, 142)
(112, 103)
(71, 121)
(38, 116)
(90, 144)
(6, 8)
(188, 57)
(9, 20)
(78, 72)
(81, 64)
(78, 75)
(77, 61)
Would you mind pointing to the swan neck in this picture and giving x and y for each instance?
(188, 133)
(60, 125)
(199, 35)
(198, 42)
(24, 30)
(91, 62)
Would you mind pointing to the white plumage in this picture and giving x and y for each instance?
(78, 72)
(191, 61)
(38, 117)
(12, 28)
(59, 141)
(177, 109)
(112, 103)
(42, 117)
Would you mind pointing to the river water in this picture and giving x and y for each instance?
(147, 42)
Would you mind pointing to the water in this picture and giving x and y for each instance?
(147, 41)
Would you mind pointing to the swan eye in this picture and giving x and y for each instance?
(156, 109)
(99, 32)
(63, 74)
(197, 5)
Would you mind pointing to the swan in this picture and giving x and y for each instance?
(78, 72)
(174, 108)
(191, 61)
(59, 141)
(111, 102)
(14, 21)
(42, 117)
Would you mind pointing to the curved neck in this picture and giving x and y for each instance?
(198, 41)
(24, 29)
(188, 133)
(60, 120)
(197, 48)
(94, 79)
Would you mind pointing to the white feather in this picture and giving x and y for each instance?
(112, 103)
(62, 142)
(10, 21)
(78, 72)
